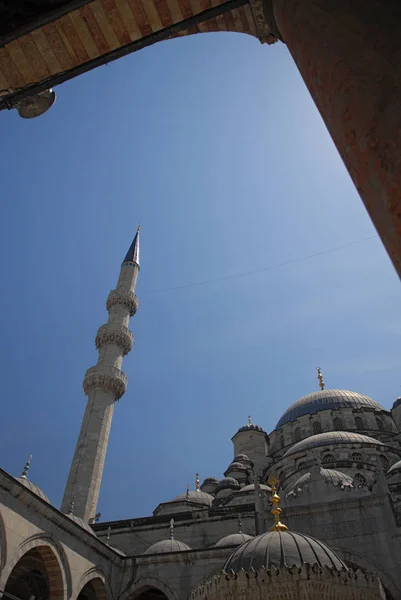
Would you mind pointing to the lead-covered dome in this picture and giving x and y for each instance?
(331, 438)
(235, 539)
(325, 400)
(282, 549)
(166, 546)
(32, 487)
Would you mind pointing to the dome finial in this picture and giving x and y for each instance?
(108, 536)
(239, 524)
(71, 508)
(171, 529)
(276, 510)
(320, 378)
(249, 420)
(197, 482)
(26, 468)
(187, 494)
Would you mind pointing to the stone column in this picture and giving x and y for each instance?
(349, 55)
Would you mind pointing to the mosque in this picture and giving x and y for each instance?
(310, 511)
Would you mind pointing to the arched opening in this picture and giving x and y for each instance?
(93, 590)
(338, 424)
(151, 593)
(297, 434)
(359, 424)
(36, 575)
(316, 427)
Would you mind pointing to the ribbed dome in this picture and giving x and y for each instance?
(33, 488)
(235, 539)
(195, 497)
(81, 523)
(213, 480)
(325, 400)
(241, 458)
(167, 546)
(330, 438)
(251, 488)
(236, 466)
(282, 549)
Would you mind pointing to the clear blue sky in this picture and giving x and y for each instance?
(213, 144)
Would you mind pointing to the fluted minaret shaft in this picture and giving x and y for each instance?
(103, 384)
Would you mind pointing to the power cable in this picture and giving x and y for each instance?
(254, 271)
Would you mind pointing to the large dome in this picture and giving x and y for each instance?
(331, 438)
(282, 549)
(325, 400)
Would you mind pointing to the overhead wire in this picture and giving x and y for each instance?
(261, 269)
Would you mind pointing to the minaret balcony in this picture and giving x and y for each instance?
(107, 378)
(125, 298)
(113, 333)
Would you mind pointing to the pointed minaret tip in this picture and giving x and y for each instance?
(133, 252)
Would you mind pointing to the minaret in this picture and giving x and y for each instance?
(103, 384)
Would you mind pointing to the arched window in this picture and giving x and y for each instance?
(327, 458)
(359, 480)
(379, 424)
(297, 434)
(338, 424)
(316, 427)
(281, 441)
(356, 457)
(384, 462)
(359, 424)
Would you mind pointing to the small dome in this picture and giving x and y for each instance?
(210, 480)
(235, 539)
(282, 549)
(167, 546)
(195, 497)
(33, 488)
(228, 482)
(250, 428)
(251, 488)
(326, 400)
(242, 458)
(394, 468)
(236, 466)
(331, 438)
(81, 523)
(331, 475)
(397, 402)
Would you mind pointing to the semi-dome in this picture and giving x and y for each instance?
(241, 458)
(333, 476)
(282, 549)
(167, 546)
(330, 438)
(32, 487)
(235, 466)
(235, 539)
(395, 468)
(251, 488)
(326, 400)
(212, 480)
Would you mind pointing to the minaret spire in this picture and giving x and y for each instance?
(103, 384)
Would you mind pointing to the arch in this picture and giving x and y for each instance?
(357, 562)
(356, 457)
(316, 427)
(143, 585)
(50, 561)
(3, 543)
(379, 424)
(384, 462)
(327, 458)
(359, 424)
(297, 434)
(338, 424)
(93, 585)
(359, 480)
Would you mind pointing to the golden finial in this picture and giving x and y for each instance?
(26, 468)
(320, 378)
(249, 420)
(197, 482)
(276, 510)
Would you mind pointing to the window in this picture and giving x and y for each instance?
(359, 480)
(338, 424)
(385, 463)
(379, 424)
(359, 423)
(301, 464)
(356, 457)
(316, 427)
(281, 441)
(297, 434)
(327, 458)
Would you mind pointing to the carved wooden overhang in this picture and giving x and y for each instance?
(64, 39)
